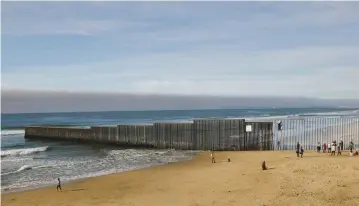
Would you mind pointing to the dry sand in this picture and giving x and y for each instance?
(317, 179)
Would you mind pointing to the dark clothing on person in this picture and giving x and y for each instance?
(264, 167)
(298, 149)
(59, 185)
(351, 146)
(324, 148)
(341, 144)
(339, 151)
(301, 152)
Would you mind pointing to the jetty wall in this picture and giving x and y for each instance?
(201, 134)
(216, 134)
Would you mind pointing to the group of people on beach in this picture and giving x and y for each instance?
(332, 147)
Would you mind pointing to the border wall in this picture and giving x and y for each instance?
(215, 134)
(201, 134)
(309, 131)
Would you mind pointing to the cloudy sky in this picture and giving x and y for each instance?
(209, 48)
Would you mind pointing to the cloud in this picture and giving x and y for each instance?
(83, 18)
(287, 72)
(63, 27)
(32, 101)
(226, 48)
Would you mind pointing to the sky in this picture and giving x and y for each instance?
(291, 49)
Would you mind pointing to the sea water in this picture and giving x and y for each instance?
(27, 164)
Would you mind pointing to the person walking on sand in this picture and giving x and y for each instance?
(212, 156)
(298, 149)
(59, 185)
(329, 148)
(339, 151)
(301, 152)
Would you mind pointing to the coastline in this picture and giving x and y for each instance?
(289, 180)
(66, 182)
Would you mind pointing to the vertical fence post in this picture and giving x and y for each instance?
(297, 135)
(316, 131)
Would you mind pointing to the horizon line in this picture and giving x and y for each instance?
(162, 110)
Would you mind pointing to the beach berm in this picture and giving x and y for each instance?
(315, 179)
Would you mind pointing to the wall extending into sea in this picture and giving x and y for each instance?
(201, 134)
(217, 134)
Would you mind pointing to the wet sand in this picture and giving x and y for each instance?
(316, 179)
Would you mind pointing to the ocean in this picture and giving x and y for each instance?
(27, 164)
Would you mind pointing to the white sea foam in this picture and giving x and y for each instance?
(20, 152)
(116, 160)
(25, 167)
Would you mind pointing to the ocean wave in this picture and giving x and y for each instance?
(116, 160)
(16, 159)
(12, 132)
(25, 167)
(139, 153)
(20, 152)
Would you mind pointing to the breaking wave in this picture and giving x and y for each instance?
(21, 152)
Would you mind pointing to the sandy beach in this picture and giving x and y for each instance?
(316, 179)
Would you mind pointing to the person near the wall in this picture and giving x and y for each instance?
(301, 152)
(351, 146)
(298, 149)
(339, 151)
(341, 144)
(324, 148)
(318, 147)
(212, 157)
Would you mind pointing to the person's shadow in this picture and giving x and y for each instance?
(75, 190)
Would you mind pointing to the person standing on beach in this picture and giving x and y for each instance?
(333, 149)
(318, 147)
(298, 149)
(59, 185)
(351, 146)
(212, 156)
(324, 148)
(339, 151)
(329, 148)
(341, 144)
(264, 166)
(278, 144)
(301, 152)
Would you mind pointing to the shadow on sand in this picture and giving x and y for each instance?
(75, 190)
(270, 168)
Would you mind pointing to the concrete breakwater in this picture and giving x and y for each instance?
(201, 134)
